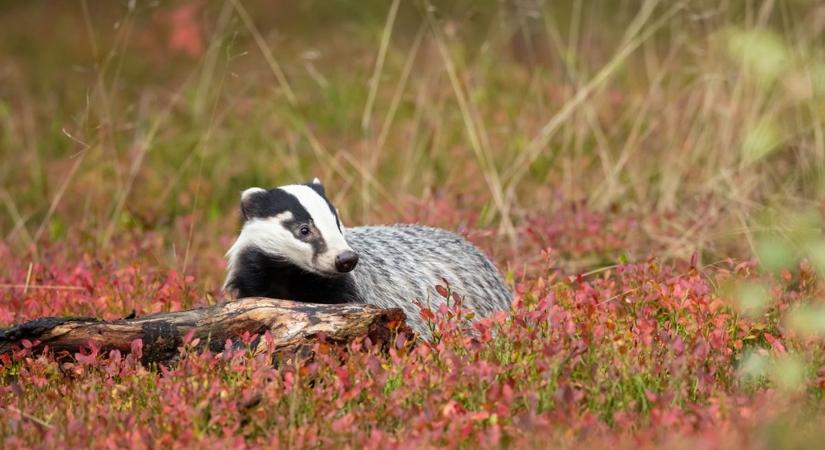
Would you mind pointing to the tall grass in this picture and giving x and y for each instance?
(119, 117)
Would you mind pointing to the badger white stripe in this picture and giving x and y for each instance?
(322, 216)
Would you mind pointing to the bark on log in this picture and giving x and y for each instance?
(293, 326)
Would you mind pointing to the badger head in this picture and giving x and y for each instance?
(295, 224)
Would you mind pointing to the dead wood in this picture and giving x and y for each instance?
(292, 325)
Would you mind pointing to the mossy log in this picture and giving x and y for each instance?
(293, 326)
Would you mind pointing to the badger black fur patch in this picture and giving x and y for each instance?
(262, 275)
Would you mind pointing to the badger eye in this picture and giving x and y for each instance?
(304, 230)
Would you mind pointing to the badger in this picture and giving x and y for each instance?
(293, 246)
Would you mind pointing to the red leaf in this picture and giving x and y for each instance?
(776, 345)
(442, 291)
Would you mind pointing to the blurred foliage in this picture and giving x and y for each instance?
(172, 108)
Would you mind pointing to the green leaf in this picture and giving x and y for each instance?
(774, 254)
(807, 319)
(753, 298)
(788, 372)
(759, 52)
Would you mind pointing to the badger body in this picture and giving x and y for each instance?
(292, 246)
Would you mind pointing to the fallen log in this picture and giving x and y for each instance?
(293, 326)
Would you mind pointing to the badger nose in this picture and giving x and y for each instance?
(346, 261)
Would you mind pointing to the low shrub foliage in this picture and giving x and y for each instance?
(636, 354)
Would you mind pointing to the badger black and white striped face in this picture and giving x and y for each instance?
(294, 223)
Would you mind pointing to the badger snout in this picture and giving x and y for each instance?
(346, 261)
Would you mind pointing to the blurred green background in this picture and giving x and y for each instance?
(123, 118)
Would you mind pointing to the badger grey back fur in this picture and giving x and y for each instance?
(401, 263)
(293, 246)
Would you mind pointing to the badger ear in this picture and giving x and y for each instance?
(250, 201)
(317, 186)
